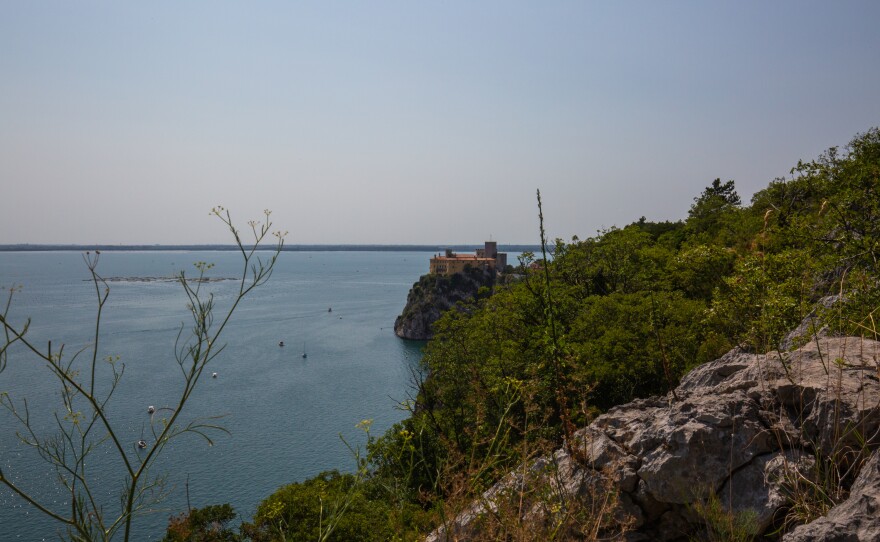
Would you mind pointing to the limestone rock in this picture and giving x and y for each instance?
(759, 487)
(856, 519)
(740, 428)
(434, 294)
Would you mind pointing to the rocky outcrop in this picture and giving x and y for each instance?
(434, 294)
(750, 433)
(856, 518)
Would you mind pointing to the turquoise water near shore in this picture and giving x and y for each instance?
(285, 413)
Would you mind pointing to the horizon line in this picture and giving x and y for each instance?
(46, 247)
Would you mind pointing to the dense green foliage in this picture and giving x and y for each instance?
(621, 315)
(331, 507)
(632, 310)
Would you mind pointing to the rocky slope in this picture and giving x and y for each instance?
(753, 433)
(434, 294)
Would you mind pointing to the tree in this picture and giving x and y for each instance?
(711, 210)
(717, 194)
(86, 384)
(852, 207)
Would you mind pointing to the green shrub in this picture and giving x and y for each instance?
(206, 524)
(330, 507)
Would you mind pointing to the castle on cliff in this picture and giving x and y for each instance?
(487, 258)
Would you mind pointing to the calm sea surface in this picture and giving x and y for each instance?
(285, 414)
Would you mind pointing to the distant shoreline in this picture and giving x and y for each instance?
(513, 249)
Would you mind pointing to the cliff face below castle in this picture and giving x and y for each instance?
(758, 432)
(434, 294)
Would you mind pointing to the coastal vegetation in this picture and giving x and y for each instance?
(621, 315)
(87, 442)
(590, 324)
(434, 294)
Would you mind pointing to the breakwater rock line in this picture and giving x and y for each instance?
(163, 279)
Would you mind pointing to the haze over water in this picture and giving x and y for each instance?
(285, 413)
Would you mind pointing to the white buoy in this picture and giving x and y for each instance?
(151, 409)
(213, 375)
(142, 444)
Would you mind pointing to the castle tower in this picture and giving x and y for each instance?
(491, 250)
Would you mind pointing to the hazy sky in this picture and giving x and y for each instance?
(410, 121)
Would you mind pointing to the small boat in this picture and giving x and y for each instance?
(151, 409)
(142, 444)
(281, 344)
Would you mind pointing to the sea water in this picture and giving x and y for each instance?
(286, 415)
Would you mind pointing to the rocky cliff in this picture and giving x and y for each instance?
(434, 294)
(764, 441)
